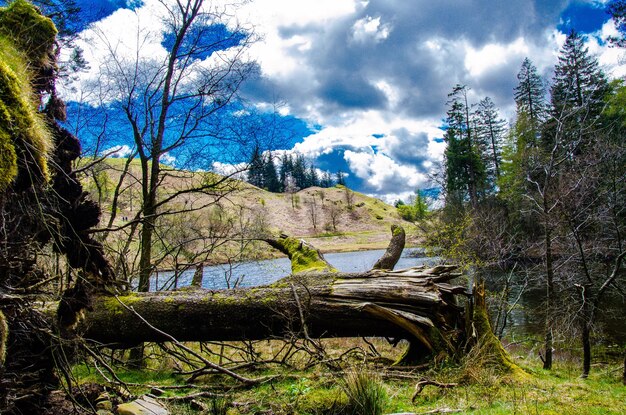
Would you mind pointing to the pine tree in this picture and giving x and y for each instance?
(255, 168)
(490, 132)
(530, 98)
(327, 180)
(341, 178)
(270, 177)
(465, 171)
(577, 97)
(299, 172)
(617, 10)
(578, 81)
(286, 170)
(312, 176)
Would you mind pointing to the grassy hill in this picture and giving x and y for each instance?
(344, 220)
(333, 219)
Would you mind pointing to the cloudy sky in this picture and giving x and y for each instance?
(369, 79)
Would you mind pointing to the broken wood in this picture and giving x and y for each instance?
(394, 250)
(316, 301)
(419, 386)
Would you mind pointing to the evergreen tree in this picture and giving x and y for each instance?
(490, 131)
(530, 98)
(465, 172)
(286, 170)
(255, 168)
(327, 180)
(579, 87)
(341, 178)
(524, 139)
(617, 10)
(270, 177)
(299, 172)
(312, 176)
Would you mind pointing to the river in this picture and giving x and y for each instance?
(255, 273)
(525, 319)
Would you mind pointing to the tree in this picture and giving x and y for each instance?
(286, 169)
(169, 103)
(465, 172)
(617, 10)
(256, 169)
(490, 131)
(530, 96)
(340, 178)
(312, 176)
(299, 172)
(327, 180)
(312, 210)
(270, 176)
(577, 93)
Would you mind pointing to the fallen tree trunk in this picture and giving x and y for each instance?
(417, 304)
(334, 304)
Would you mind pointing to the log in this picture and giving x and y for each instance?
(418, 304)
(394, 250)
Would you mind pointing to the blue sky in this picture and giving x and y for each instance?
(362, 85)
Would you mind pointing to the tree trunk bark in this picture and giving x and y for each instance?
(416, 304)
(547, 361)
(394, 250)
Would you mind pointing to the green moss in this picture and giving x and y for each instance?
(26, 41)
(112, 305)
(33, 33)
(491, 350)
(304, 258)
(8, 159)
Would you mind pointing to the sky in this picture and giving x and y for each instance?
(365, 83)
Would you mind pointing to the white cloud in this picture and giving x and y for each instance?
(118, 151)
(168, 159)
(370, 28)
(489, 56)
(237, 171)
(611, 59)
(382, 173)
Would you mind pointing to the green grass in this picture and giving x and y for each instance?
(319, 391)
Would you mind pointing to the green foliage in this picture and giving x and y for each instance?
(416, 211)
(450, 239)
(616, 102)
(366, 393)
(465, 170)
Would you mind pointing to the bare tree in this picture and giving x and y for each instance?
(334, 212)
(312, 210)
(170, 104)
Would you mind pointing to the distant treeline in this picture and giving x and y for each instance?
(288, 173)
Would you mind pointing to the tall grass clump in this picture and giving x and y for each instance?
(219, 406)
(366, 393)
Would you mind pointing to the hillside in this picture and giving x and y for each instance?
(333, 219)
(362, 223)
